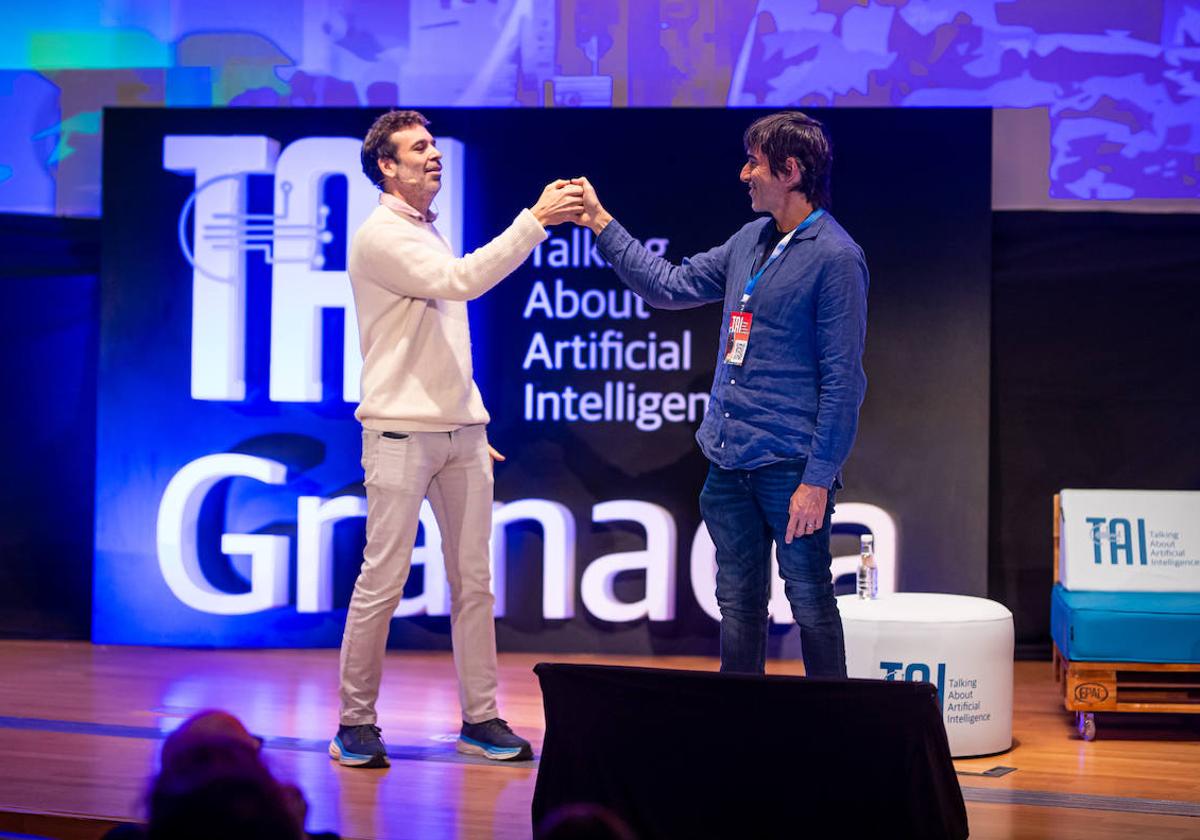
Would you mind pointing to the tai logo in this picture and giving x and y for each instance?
(296, 238)
(916, 672)
(1120, 536)
(1090, 693)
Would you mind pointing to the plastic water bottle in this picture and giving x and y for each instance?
(868, 574)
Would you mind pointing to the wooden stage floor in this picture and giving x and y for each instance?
(81, 726)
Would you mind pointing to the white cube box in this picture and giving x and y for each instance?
(960, 644)
(1129, 541)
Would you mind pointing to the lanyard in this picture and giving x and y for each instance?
(783, 243)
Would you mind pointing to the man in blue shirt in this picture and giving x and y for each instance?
(788, 385)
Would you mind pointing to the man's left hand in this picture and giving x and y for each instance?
(594, 215)
(806, 511)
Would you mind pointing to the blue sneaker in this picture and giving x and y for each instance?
(359, 746)
(493, 739)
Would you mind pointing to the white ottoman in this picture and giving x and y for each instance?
(962, 645)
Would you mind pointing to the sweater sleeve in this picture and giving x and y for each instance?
(409, 265)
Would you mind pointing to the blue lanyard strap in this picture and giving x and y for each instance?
(783, 243)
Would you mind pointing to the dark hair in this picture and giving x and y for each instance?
(378, 143)
(218, 787)
(583, 821)
(793, 134)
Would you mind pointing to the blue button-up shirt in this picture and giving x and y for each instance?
(796, 395)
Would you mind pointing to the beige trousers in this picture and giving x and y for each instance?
(453, 470)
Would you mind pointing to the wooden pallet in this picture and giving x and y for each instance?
(1128, 686)
(1090, 687)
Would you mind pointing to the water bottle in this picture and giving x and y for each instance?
(868, 573)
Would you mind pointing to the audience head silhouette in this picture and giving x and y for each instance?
(213, 783)
(583, 821)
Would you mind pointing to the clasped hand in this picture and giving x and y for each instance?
(572, 200)
(561, 201)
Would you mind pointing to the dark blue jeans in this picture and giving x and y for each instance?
(745, 511)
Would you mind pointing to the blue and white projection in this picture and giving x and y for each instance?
(229, 496)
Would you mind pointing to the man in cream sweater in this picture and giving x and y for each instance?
(424, 429)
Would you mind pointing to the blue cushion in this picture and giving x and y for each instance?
(1126, 626)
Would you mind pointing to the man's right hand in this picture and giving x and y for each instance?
(561, 201)
(594, 215)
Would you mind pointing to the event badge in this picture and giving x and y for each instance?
(739, 336)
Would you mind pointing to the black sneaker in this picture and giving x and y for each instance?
(493, 739)
(359, 746)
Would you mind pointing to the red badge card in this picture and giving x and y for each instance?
(739, 337)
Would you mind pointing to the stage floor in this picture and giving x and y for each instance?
(81, 726)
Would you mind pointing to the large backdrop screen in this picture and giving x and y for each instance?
(229, 490)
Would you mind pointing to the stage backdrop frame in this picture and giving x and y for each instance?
(192, 388)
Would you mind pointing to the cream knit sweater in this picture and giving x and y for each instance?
(410, 293)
